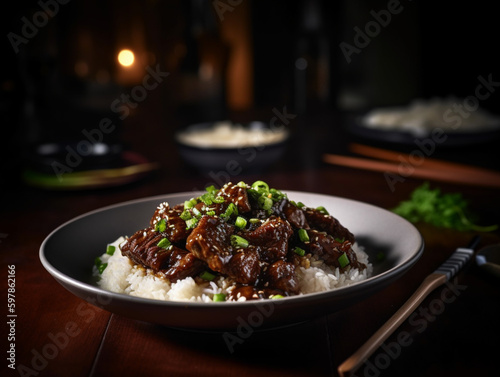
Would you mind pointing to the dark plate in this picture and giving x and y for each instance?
(447, 139)
(68, 254)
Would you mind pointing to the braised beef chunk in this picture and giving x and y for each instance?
(281, 275)
(294, 215)
(244, 266)
(327, 223)
(142, 248)
(272, 238)
(182, 264)
(169, 221)
(237, 195)
(329, 249)
(210, 241)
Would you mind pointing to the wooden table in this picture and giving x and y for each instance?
(453, 333)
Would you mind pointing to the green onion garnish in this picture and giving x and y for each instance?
(164, 243)
(240, 222)
(261, 187)
(191, 223)
(343, 260)
(185, 215)
(210, 188)
(190, 203)
(322, 210)
(237, 241)
(205, 275)
(299, 251)
(161, 225)
(254, 220)
(196, 212)
(276, 194)
(219, 297)
(100, 266)
(276, 296)
(303, 236)
(265, 202)
(230, 210)
(110, 250)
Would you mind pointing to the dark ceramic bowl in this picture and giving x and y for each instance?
(68, 254)
(250, 156)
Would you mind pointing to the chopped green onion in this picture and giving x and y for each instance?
(343, 260)
(219, 297)
(196, 212)
(218, 199)
(210, 188)
(190, 203)
(110, 250)
(303, 236)
(191, 223)
(240, 222)
(276, 194)
(207, 198)
(230, 210)
(265, 202)
(261, 187)
(164, 243)
(210, 213)
(322, 210)
(254, 220)
(185, 215)
(300, 204)
(238, 241)
(205, 275)
(241, 184)
(161, 225)
(299, 251)
(100, 266)
(340, 240)
(276, 297)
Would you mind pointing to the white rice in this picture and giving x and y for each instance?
(122, 276)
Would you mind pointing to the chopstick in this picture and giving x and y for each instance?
(427, 168)
(426, 162)
(440, 276)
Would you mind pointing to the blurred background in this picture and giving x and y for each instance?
(139, 70)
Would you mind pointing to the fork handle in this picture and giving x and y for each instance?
(353, 363)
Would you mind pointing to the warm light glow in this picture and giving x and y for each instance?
(126, 58)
